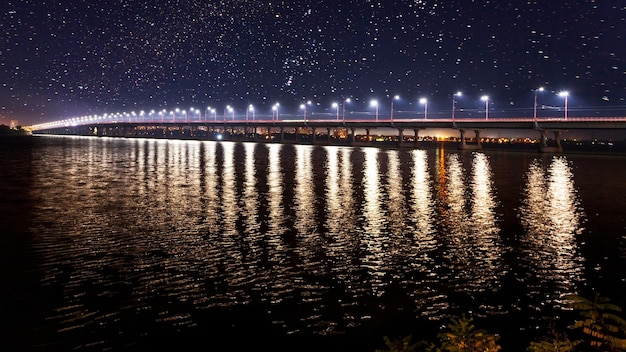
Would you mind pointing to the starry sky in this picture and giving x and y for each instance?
(60, 59)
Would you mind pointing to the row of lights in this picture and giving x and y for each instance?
(229, 110)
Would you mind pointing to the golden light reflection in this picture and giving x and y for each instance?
(428, 300)
(276, 216)
(250, 196)
(421, 200)
(340, 214)
(304, 195)
(474, 246)
(228, 196)
(552, 218)
(396, 199)
(334, 200)
(211, 187)
(374, 218)
(487, 249)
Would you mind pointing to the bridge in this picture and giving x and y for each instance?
(317, 131)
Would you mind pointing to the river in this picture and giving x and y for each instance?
(136, 244)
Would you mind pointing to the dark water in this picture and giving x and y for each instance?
(116, 244)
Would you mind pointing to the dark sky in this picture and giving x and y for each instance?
(61, 59)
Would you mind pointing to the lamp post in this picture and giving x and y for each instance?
(485, 98)
(343, 109)
(540, 89)
(425, 102)
(275, 108)
(457, 94)
(250, 109)
(396, 97)
(303, 107)
(228, 109)
(336, 106)
(565, 94)
(374, 103)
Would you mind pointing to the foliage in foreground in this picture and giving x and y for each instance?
(600, 324)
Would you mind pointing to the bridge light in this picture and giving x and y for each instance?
(425, 102)
(374, 103)
(343, 109)
(396, 97)
(565, 94)
(336, 106)
(540, 89)
(485, 98)
(457, 94)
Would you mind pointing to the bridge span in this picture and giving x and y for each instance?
(331, 131)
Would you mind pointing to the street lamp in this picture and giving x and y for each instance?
(425, 102)
(343, 109)
(336, 106)
(457, 94)
(227, 110)
(391, 113)
(540, 89)
(303, 107)
(250, 109)
(485, 98)
(275, 108)
(565, 94)
(374, 103)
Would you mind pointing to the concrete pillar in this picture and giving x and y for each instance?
(462, 137)
(544, 139)
(352, 134)
(400, 136)
(282, 134)
(477, 137)
(416, 131)
(328, 131)
(557, 139)
(367, 134)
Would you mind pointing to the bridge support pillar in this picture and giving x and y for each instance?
(282, 134)
(367, 134)
(400, 136)
(544, 148)
(351, 137)
(314, 134)
(328, 132)
(465, 146)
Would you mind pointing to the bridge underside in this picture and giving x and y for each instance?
(334, 133)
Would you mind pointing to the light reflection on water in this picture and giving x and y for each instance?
(553, 219)
(309, 239)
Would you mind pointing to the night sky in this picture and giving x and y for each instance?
(61, 59)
